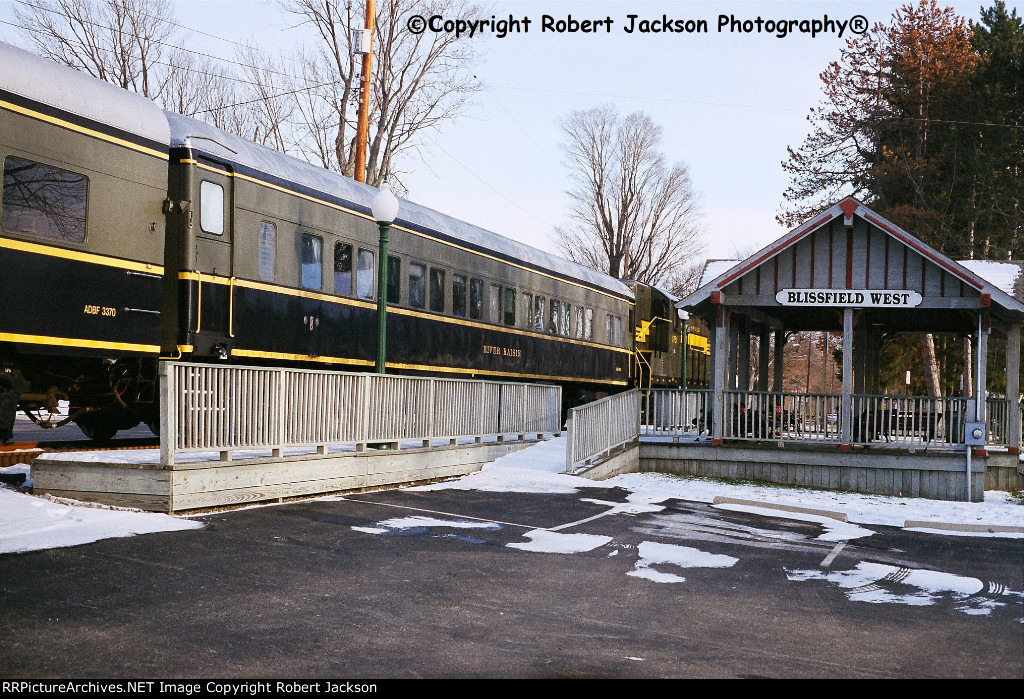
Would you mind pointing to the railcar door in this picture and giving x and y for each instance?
(311, 279)
(213, 258)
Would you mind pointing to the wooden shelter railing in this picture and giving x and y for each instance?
(901, 421)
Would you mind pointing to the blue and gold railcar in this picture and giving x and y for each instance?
(128, 233)
(276, 262)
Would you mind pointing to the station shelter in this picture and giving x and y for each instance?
(851, 272)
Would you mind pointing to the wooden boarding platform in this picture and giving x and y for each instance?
(144, 484)
(936, 474)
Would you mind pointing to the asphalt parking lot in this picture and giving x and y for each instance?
(407, 584)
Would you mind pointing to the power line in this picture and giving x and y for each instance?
(487, 184)
(735, 105)
(265, 98)
(155, 41)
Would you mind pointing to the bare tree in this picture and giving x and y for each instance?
(685, 279)
(419, 81)
(632, 215)
(120, 41)
(322, 111)
(268, 93)
(194, 85)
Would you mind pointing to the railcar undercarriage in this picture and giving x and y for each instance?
(101, 396)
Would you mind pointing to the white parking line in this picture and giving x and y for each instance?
(567, 525)
(582, 521)
(832, 556)
(438, 512)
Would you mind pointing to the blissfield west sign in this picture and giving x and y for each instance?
(854, 298)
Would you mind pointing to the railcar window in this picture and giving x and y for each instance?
(538, 314)
(44, 201)
(556, 306)
(394, 279)
(579, 322)
(311, 261)
(268, 249)
(211, 207)
(494, 309)
(588, 324)
(437, 289)
(617, 334)
(609, 329)
(364, 274)
(510, 306)
(527, 310)
(566, 312)
(417, 285)
(343, 268)
(476, 299)
(459, 295)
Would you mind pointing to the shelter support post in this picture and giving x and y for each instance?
(846, 407)
(1013, 385)
(762, 359)
(720, 356)
(743, 356)
(981, 368)
(861, 358)
(780, 347)
(875, 360)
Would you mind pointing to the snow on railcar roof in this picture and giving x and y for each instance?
(274, 163)
(70, 90)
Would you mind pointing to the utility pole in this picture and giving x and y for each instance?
(363, 127)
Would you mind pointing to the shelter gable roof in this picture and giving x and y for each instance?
(847, 209)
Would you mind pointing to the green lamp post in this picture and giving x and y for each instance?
(385, 208)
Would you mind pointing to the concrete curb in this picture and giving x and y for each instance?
(842, 517)
(979, 528)
(723, 500)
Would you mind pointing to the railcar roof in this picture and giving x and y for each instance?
(275, 164)
(70, 90)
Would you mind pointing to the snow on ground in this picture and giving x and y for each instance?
(539, 469)
(547, 541)
(28, 522)
(652, 553)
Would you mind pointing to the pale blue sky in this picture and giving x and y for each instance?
(729, 104)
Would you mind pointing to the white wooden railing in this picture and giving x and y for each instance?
(597, 428)
(997, 410)
(676, 413)
(910, 421)
(760, 415)
(208, 408)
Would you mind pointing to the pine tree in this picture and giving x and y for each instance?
(922, 119)
(997, 100)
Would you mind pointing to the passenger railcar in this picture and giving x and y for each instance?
(81, 243)
(128, 233)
